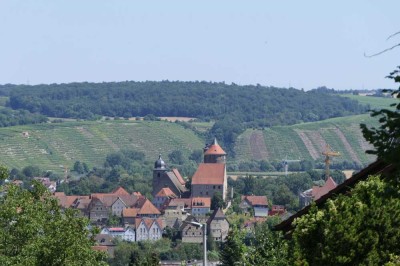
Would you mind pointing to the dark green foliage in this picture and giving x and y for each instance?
(259, 106)
(177, 157)
(32, 171)
(267, 247)
(9, 117)
(197, 156)
(233, 249)
(283, 190)
(217, 201)
(35, 231)
(361, 229)
(150, 253)
(386, 138)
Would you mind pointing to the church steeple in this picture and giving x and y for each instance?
(214, 153)
(160, 164)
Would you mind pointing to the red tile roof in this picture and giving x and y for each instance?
(180, 201)
(148, 209)
(166, 192)
(198, 202)
(209, 174)
(215, 149)
(120, 191)
(178, 175)
(318, 192)
(256, 200)
(130, 212)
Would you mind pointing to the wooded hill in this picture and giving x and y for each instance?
(252, 105)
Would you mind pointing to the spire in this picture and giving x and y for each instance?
(160, 164)
(215, 141)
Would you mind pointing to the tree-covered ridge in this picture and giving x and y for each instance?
(255, 105)
(9, 117)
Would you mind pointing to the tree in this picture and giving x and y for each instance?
(35, 231)
(267, 248)
(361, 229)
(234, 249)
(217, 201)
(176, 157)
(386, 138)
(197, 156)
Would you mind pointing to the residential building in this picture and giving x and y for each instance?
(200, 206)
(162, 198)
(148, 229)
(191, 233)
(316, 192)
(259, 205)
(124, 233)
(218, 226)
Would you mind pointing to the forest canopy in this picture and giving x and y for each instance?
(253, 105)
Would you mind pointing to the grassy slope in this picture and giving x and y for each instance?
(374, 102)
(285, 141)
(52, 145)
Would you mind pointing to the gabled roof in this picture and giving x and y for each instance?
(198, 202)
(166, 192)
(130, 212)
(187, 203)
(209, 174)
(148, 222)
(318, 191)
(216, 215)
(178, 176)
(120, 191)
(214, 149)
(148, 209)
(256, 200)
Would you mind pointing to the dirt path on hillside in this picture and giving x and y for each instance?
(309, 145)
(257, 146)
(347, 145)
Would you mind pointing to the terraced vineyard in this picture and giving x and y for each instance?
(307, 141)
(51, 146)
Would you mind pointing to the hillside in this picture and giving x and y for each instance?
(306, 141)
(249, 105)
(50, 146)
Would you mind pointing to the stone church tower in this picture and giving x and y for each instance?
(162, 177)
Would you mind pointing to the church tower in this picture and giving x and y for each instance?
(213, 153)
(160, 168)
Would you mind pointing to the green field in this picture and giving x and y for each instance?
(53, 145)
(306, 141)
(376, 103)
(50, 146)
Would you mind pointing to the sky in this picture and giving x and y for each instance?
(301, 44)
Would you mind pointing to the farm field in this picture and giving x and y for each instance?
(375, 102)
(51, 146)
(306, 141)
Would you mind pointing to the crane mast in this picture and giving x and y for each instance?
(328, 154)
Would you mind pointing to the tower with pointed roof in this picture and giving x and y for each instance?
(210, 176)
(165, 178)
(213, 153)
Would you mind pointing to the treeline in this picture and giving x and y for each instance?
(255, 105)
(9, 117)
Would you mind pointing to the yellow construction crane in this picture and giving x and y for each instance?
(328, 154)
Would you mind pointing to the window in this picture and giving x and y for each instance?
(213, 187)
(219, 187)
(207, 193)
(158, 175)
